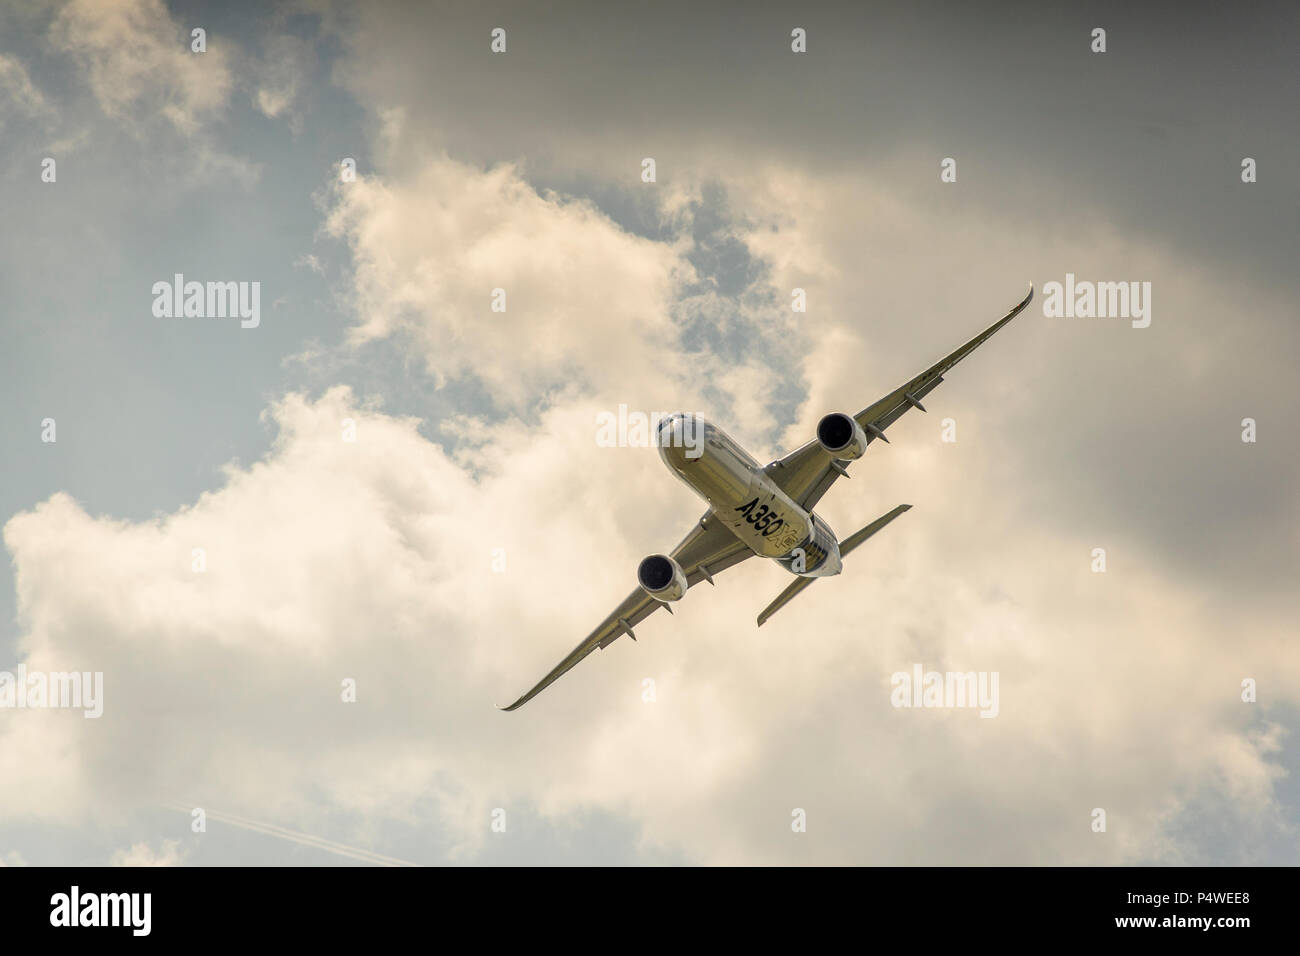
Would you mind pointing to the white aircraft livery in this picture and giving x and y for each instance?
(764, 510)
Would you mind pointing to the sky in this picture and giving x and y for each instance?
(402, 512)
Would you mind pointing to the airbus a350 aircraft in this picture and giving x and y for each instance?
(764, 510)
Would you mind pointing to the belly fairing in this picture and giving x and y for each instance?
(816, 557)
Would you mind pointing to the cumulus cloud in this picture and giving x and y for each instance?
(430, 252)
(372, 561)
(364, 552)
(591, 309)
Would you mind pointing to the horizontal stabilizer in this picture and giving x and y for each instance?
(847, 545)
(857, 537)
(784, 598)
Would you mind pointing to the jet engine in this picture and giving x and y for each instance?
(841, 436)
(662, 578)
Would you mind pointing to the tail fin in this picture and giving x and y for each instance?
(847, 545)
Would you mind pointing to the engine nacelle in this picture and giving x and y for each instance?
(841, 436)
(662, 578)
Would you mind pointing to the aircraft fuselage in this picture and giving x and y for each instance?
(742, 496)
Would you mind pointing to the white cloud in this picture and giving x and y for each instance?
(429, 251)
(372, 561)
(169, 853)
(328, 561)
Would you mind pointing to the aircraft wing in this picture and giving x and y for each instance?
(710, 547)
(807, 472)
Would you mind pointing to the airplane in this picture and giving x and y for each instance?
(760, 510)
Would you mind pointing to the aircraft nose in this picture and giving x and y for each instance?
(672, 442)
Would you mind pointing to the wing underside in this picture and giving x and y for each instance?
(708, 549)
(808, 472)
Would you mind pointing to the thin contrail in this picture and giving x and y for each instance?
(293, 836)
